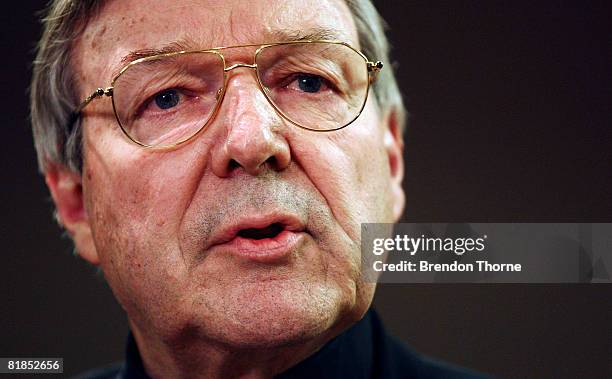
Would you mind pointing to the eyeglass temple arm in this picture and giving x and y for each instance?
(373, 69)
(108, 91)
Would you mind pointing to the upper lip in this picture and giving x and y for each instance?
(229, 231)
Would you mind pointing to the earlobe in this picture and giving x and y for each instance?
(394, 146)
(67, 192)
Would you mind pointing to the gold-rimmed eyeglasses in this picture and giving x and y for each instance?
(164, 100)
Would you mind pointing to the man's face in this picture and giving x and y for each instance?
(172, 228)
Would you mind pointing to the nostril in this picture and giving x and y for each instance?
(233, 164)
(272, 161)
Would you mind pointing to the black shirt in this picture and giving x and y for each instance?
(365, 351)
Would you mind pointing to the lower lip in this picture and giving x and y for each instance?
(267, 250)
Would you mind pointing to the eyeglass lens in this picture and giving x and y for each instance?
(165, 100)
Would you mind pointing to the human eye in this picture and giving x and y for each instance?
(308, 83)
(301, 81)
(167, 99)
(302, 75)
(165, 102)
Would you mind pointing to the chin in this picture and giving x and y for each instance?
(276, 314)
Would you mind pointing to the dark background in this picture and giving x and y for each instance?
(510, 122)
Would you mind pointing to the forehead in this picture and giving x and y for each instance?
(122, 27)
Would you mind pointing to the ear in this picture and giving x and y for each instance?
(394, 146)
(67, 193)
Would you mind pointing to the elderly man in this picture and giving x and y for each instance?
(216, 161)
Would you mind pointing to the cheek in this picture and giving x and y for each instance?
(135, 202)
(137, 188)
(133, 196)
(351, 170)
(365, 147)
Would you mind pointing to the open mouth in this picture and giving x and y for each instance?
(261, 238)
(269, 231)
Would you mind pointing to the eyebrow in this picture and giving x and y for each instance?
(320, 33)
(278, 35)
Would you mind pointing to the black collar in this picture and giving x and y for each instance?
(349, 355)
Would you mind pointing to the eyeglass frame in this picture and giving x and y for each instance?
(372, 70)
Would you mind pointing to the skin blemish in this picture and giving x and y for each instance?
(97, 37)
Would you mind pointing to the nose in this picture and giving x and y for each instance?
(251, 128)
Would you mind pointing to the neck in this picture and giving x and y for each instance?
(194, 356)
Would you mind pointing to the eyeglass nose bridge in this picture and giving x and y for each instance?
(221, 92)
(253, 66)
(236, 65)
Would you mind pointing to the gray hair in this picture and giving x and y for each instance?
(53, 94)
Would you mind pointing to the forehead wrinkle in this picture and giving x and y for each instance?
(275, 24)
(188, 43)
(182, 44)
(315, 33)
(267, 27)
(233, 23)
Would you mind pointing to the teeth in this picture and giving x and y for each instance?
(269, 231)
